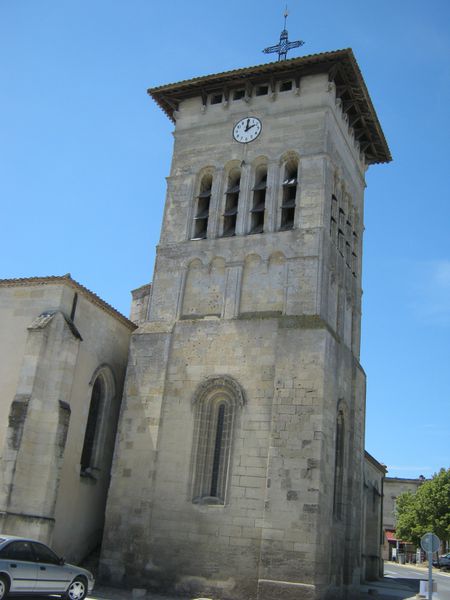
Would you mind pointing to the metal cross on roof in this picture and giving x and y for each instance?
(284, 45)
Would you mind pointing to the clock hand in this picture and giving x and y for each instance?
(247, 127)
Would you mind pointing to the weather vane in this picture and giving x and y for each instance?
(284, 45)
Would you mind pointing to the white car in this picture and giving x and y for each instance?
(28, 566)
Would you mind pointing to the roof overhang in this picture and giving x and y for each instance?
(342, 69)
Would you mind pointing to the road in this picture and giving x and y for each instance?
(410, 576)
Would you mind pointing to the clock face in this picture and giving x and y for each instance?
(246, 130)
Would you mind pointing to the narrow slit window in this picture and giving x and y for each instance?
(355, 255)
(341, 241)
(290, 183)
(341, 231)
(216, 403)
(259, 201)
(202, 209)
(348, 254)
(231, 204)
(339, 466)
(218, 450)
(334, 219)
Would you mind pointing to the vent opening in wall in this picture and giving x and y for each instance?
(231, 204)
(202, 209)
(262, 90)
(216, 98)
(238, 94)
(290, 183)
(285, 86)
(259, 202)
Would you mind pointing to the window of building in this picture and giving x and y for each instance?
(339, 465)
(334, 218)
(95, 454)
(285, 86)
(216, 404)
(238, 94)
(259, 201)
(231, 203)
(341, 229)
(92, 425)
(202, 208)
(355, 255)
(216, 98)
(262, 90)
(290, 183)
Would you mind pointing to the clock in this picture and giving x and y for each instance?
(246, 130)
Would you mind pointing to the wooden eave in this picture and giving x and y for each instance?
(341, 67)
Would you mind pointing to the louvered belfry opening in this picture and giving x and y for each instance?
(259, 201)
(202, 208)
(290, 183)
(231, 203)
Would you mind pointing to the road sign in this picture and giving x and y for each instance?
(430, 542)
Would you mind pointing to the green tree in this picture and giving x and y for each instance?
(426, 510)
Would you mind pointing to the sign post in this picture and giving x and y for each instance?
(430, 543)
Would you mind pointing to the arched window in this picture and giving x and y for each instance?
(231, 203)
(202, 208)
(103, 391)
(215, 403)
(339, 465)
(290, 182)
(259, 200)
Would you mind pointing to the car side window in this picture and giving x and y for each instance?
(18, 551)
(45, 555)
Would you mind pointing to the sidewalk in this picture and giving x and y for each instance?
(108, 593)
(384, 589)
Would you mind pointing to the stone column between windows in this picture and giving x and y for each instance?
(189, 189)
(233, 291)
(215, 204)
(270, 220)
(244, 200)
(310, 192)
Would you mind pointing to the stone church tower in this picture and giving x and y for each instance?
(238, 465)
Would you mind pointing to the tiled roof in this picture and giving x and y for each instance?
(67, 279)
(341, 67)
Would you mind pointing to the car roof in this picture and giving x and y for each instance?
(5, 537)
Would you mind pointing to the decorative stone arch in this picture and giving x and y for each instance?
(103, 392)
(195, 263)
(232, 165)
(216, 403)
(288, 157)
(217, 262)
(277, 257)
(259, 161)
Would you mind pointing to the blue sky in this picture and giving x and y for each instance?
(84, 153)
